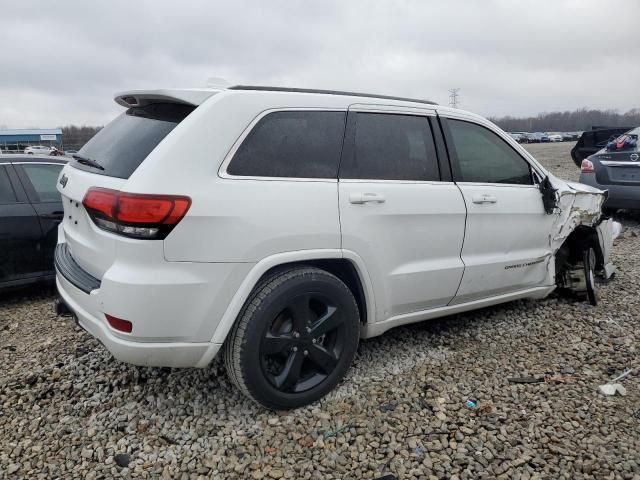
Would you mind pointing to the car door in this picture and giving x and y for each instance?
(399, 211)
(40, 181)
(507, 245)
(20, 236)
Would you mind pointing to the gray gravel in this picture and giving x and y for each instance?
(68, 410)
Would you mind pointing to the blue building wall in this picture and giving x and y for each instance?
(27, 138)
(17, 139)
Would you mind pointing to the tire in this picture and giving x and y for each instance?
(294, 339)
(589, 263)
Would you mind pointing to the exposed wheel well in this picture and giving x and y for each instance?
(341, 268)
(571, 250)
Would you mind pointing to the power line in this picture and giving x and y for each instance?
(453, 97)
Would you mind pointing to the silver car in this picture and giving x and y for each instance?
(616, 168)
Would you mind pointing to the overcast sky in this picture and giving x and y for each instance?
(62, 61)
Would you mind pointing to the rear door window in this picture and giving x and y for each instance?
(299, 144)
(391, 147)
(123, 144)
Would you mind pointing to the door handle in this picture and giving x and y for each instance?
(359, 198)
(484, 198)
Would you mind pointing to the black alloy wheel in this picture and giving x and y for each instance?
(304, 343)
(294, 339)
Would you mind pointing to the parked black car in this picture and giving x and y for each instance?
(30, 211)
(594, 140)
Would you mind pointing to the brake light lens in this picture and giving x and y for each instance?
(135, 215)
(118, 324)
(587, 166)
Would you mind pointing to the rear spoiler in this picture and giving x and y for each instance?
(140, 98)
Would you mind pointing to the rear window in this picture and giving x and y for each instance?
(123, 144)
(302, 144)
(627, 142)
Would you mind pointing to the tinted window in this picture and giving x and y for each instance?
(44, 179)
(123, 144)
(7, 195)
(292, 144)
(485, 158)
(391, 147)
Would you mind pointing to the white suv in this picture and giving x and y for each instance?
(278, 226)
(38, 150)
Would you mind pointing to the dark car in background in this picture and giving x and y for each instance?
(616, 168)
(30, 211)
(593, 140)
(571, 136)
(535, 137)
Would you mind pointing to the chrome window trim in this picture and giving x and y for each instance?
(359, 107)
(38, 163)
(222, 171)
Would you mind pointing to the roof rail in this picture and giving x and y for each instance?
(329, 92)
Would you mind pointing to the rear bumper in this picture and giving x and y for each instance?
(620, 196)
(174, 307)
(151, 354)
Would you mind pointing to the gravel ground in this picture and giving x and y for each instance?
(68, 410)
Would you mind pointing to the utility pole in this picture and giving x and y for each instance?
(453, 97)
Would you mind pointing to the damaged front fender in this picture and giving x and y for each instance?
(579, 226)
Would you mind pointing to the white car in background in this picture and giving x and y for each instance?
(39, 150)
(555, 137)
(276, 227)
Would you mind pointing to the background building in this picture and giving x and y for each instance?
(15, 141)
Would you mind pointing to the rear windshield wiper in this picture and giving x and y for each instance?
(87, 161)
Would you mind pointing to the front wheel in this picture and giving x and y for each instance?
(589, 265)
(294, 339)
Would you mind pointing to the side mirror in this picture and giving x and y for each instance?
(549, 197)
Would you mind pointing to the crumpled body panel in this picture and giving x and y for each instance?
(577, 205)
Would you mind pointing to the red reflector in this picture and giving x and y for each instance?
(587, 166)
(119, 324)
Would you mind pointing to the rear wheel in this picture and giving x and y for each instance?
(294, 339)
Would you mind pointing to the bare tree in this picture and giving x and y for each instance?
(578, 120)
(74, 137)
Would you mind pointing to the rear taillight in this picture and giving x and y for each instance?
(117, 323)
(587, 166)
(135, 215)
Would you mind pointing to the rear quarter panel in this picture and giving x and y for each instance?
(237, 219)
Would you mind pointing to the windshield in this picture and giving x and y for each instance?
(123, 144)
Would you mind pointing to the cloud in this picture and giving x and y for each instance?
(62, 62)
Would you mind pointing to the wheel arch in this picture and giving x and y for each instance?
(347, 266)
(582, 237)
